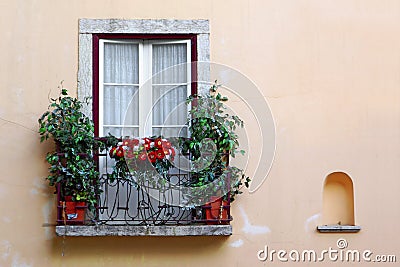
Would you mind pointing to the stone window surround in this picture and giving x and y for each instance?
(88, 27)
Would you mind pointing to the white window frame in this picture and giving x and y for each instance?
(101, 84)
(147, 110)
(145, 48)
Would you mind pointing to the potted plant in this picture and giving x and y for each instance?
(141, 161)
(72, 167)
(213, 139)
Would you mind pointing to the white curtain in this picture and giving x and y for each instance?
(121, 85)
(169, 89)
(121, 80)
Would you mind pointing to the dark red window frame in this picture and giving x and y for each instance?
(95, 60)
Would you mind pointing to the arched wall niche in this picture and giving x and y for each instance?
(338, 204)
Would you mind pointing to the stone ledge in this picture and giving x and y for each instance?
(338, 228)
(139, 230)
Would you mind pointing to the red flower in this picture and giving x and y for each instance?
(172, 152)
(143, 156)
(166, 151)
(135, 142)
(120, 152)
(158, 143)
(146, 144)
(152, 156)
(160, 154)
(147, 140)
(112, 152)
(130, 142)
(126, 142)
(130, 154)
(166, 144)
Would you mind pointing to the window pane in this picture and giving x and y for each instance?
(121, 131)
(170, 131)
(116, 131)
(129, 131)
(168, 55)
(121, 63)
(121, 105)
(169, 106)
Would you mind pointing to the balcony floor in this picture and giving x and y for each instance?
(162, 230)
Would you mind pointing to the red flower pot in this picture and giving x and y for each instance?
(74, 211)
(217, 211)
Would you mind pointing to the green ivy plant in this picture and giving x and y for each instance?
(71, 162)
(213, 129)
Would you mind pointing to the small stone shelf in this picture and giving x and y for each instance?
(163, 230)
(338, 228)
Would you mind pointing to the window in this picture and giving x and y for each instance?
(142, 85)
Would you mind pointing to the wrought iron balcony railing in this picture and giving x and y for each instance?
(143, 200)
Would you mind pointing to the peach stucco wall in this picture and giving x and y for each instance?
(330, 71)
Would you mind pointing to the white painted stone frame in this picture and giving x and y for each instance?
(87, 27)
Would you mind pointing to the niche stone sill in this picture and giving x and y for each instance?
(336, 228)
(139, 230)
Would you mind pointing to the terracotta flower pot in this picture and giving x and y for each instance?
(74, 211)
(217, 211)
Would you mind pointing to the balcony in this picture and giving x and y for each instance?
(145, 203)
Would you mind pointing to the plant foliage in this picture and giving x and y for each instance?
(213, 129)
(71, 162)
